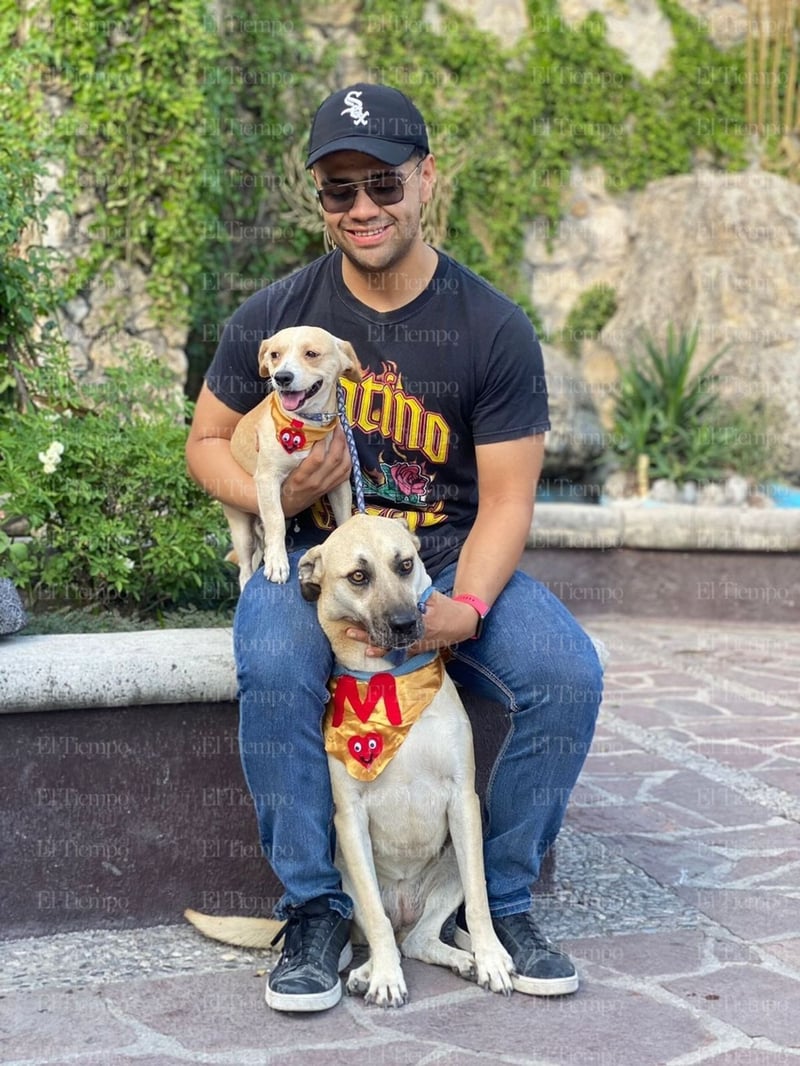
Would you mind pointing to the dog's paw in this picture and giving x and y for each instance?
(276, 566)
(358, 979)
(389, 991)
(384, 990)
(494, 967)
(462, 963)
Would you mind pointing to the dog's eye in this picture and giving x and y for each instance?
(274, 355)
(406, 566)
(358, 577)
(310, 354)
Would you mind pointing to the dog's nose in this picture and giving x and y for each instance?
(283, 378)
(403, 623)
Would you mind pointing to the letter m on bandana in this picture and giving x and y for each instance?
(380, 688)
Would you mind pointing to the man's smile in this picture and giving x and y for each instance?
(365, 236)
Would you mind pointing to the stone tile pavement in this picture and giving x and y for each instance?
(677, 891)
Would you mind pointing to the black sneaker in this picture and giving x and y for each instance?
(316, 946)
(540, 969)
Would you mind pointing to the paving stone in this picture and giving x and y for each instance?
(778, 835)
(707, 799)
(756, 1001)
(623, 818)
(674, 861)
(624, 761)
(53, 1023)
(768, 869)
(213, 1013)
(752, 1057)
(784, 777)
(787, 951)
(749, 913)
(690, 708)
(646, 955)
(578, 1030)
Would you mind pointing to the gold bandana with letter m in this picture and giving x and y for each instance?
(370, 715)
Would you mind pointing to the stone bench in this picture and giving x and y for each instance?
(123, 799)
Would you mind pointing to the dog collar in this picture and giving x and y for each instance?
(296, 434)
(416, 662)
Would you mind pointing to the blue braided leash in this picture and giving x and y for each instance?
(358, 485)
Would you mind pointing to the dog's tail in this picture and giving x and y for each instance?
(242, 932)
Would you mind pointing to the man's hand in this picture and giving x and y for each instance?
(446, 623)
(326, 466)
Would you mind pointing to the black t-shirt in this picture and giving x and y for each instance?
(458, 365)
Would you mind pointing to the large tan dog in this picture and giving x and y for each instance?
(408, 828)
(305, 364)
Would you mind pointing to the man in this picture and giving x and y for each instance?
(449, 422)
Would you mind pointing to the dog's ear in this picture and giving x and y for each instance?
(263, 358)
(310, 570)
(351, 367)
(404, 523)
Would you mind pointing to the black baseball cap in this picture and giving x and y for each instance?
(374, 119)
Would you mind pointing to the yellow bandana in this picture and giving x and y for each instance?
(295, 434)
(367, 745)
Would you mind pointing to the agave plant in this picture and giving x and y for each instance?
(666, 412)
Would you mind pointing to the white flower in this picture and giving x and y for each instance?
(52, 457)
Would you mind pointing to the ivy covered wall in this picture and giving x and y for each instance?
(172, 132)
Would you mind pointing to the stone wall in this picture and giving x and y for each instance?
(114, 312)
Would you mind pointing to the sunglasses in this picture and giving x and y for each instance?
(383, 191)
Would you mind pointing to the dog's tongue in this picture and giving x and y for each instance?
(292, 400)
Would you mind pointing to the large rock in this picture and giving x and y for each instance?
(639, 29)
(577, 441)
(722, 251)
(714, 249)
(506, 19)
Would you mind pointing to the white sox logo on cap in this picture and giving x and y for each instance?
(355, 108)
(377, 120)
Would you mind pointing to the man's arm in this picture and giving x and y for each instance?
(211, 465)
(508, 473)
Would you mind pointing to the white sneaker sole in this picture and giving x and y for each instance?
(529, 986)
(310, 1001)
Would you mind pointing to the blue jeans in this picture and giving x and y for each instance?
(533, 659)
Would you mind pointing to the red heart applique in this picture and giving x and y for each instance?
(366, 748)
(292, 437)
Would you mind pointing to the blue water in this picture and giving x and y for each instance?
(784, 495)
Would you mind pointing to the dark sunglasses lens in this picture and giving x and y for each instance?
(334, 200)
(384, 192)
(388, 191)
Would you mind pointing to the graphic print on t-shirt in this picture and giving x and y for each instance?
(400, 443)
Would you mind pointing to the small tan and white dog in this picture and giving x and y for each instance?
(305, 364)
(407, 817)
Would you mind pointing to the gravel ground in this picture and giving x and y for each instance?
(596, 892)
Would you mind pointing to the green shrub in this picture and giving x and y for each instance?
(29, 290)
(591, 311)
(114, 517)
(679, 419)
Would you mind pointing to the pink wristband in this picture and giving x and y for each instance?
(478, 605)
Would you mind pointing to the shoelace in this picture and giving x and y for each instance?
(358, 485)
(524, 923)
(308, 942)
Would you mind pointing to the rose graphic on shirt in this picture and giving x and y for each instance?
(411, 479)
(402, 482)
